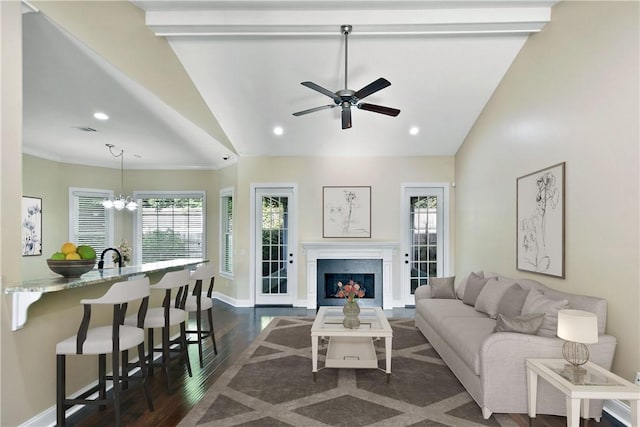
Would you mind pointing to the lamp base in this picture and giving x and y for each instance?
(576, 353)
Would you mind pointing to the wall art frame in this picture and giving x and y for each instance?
(346, 211)
(540, 212)
(31, 226)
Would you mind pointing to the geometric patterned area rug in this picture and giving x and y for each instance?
(271, 385)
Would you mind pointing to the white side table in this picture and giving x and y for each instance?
(598, 383)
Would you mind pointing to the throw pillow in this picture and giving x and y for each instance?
(442, 287)
(512, 301)
(475, 284)
(536, 302)
(490, 296)
(527, 324)
(463, 285)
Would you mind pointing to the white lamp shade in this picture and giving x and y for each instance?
(578, 326)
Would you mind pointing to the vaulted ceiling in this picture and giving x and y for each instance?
(247, 58)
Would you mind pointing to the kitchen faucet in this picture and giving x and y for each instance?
(118, 259)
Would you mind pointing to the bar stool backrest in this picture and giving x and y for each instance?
(122, 292)
(204, 272)
(173, 279)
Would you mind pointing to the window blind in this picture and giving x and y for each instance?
(227, 233)
(91, 223)
(170, 227)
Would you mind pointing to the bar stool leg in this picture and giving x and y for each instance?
(115, 362)
(213, 336)
(199, 334)
(125, 369)
(60, 389)
(151, 351)
(185, 349)
(102, 379)
(165, 356)
(143, 369)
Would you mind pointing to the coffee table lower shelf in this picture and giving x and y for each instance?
(351, 352)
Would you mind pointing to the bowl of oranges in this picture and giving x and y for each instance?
(72, 261)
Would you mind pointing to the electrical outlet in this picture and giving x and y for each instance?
(637, 378)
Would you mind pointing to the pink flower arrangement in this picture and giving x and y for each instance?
(350, 291)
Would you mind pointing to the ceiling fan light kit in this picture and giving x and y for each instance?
(346, 98)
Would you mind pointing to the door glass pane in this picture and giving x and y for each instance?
(423, 240)
(274, 244)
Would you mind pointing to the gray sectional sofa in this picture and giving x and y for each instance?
(491, 365)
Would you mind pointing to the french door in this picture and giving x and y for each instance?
(274, 237)
(424, 237)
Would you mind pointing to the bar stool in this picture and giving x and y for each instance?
(164, 317)
(199, 301)
(101, 341)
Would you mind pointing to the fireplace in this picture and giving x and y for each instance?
(366, 272)
(381, 252)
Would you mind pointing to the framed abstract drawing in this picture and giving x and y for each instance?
(31, 226)
(346, 212)
(540, 221)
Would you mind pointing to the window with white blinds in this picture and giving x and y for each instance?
(226, 231)
(169, 226)
(89, 222)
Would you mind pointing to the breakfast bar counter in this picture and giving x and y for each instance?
(26, 293)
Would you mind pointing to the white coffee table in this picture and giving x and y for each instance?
(597, 384)
(351, 348)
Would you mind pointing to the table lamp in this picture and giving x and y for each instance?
(577, 328)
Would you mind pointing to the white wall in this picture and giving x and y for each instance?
(384, 175)
(571, 95)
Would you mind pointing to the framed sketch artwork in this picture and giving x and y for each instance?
(540, 216)
(346, 211)
(31, 226)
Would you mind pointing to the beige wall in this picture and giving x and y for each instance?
(570, 96)
(384, 175)
(10, 192)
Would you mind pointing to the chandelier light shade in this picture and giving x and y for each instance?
(577, 328)
(121, 202)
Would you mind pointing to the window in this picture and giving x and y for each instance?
(89, 222)
(169, 225)
(226, 231)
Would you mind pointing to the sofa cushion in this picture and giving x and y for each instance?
(490, 296)
(437, 311)
(512, 300)
(527, 324)
(442, 287)
(536, 302)
(465, 335)
(460, 287)
(475, 284)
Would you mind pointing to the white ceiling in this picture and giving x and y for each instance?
(247, 59)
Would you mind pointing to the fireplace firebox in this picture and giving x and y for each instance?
(366, 272)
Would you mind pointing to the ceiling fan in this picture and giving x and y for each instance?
(346, 98)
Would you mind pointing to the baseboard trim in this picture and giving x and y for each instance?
(618, 410)
(232, 301)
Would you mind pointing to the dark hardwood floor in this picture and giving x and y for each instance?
(235, 329)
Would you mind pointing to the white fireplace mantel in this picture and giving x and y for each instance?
(350, 250)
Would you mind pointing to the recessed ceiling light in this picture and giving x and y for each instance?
(101, 116)
(278, 130)
(414, 130)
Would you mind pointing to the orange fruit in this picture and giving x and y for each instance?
(68, 248)
(73, 255)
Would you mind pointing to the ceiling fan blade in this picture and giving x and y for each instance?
(346, 117)
(372, 87)
(313, 110)
(312, 85)
(379, 109)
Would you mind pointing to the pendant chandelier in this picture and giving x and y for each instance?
(120, 202)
